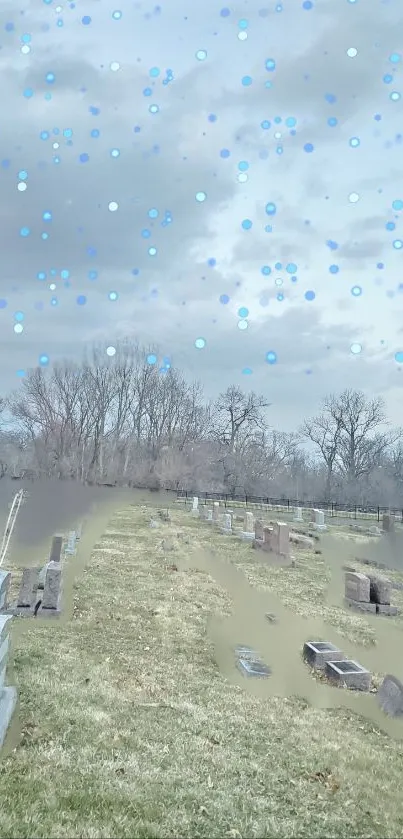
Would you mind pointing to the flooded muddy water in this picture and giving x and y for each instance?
(93, 509)
(280, 644)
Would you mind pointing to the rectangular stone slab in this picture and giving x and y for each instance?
(383, 609)
(8, 701)
(254, 668)
(5, 580)
(246, 652)
(52, 588)
(56, 548)
(317, 653)
(5, 626)
(360, 606)
(348, 673)
(29, 587)
(390, 696)
(4, 651)
(380, 590)
(357, 586)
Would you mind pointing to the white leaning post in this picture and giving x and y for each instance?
(12, 518)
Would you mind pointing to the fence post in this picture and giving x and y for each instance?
(246, 500)
(288, 503)
(378, 515)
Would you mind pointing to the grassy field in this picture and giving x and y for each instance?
(129, 730)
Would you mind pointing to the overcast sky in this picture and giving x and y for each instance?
(118, 117)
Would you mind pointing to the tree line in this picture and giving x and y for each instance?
(124, 421)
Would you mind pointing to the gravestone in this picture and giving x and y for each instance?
(216, 511)
(195, 506)
(374, 530)
(298, 517)
(227, 526)
(56, 549)
(209, 515)
(380, 590)
(357, 587)
(248, 523)
(248, 532)
(5, 580)
(259, 530)
(267, 531)
(42, 577)
(4, 646)
(28, 589)
(317, 653)
(320, 520)
(52, 590)
(348, 673)
(281, 538)
(254, 668)
(71, 543)
(388, 523)
(390, 696)
(8, 695)
(384, 609)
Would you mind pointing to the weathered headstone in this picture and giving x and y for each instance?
(248, 523)
(71, 543)
(259, 530)
(281, 535)
(28, 589)
(52, 589)
(298, 517)
(317, 653)
(227, 525)
(4, 649)
(216, 511)
(348, 673)
(390, 696)
(195, 506)
(267, 533)
(320, 520)
(5, 580)
(8, 695)
(374, 530)
(380, 590)
(209, 515)
(42, 577)
(388, 523)
(56, 549)
(357, 587)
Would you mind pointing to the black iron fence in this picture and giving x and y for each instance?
(331, 507)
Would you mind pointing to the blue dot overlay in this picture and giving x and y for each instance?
(254, 196)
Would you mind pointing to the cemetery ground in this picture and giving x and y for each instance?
(129, 729)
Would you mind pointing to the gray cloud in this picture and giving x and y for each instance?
(175, 296)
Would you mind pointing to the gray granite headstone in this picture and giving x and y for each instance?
(8, 701)
(29, 587)
(42, 577)
(4, 650)
(56, 549)
(71, 543)
(52, 588)
(390, 696)
(5, 579)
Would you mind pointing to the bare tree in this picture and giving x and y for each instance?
(324, 432)
(351, 436)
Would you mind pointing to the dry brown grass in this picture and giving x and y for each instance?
(130, 730)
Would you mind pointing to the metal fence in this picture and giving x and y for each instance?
(332, 508)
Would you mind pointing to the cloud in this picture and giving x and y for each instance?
(206, 137)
